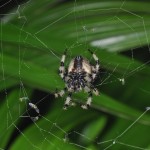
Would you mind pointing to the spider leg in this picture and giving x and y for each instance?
(94, 73)
(67, 101)
(33, 106)
(88, 102)
(62, 71)
(95, 69)
(87, 81)
(88, 78)
(94, 90)
(89, 99)
(60, 93)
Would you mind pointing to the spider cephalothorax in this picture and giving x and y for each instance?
(80, 75)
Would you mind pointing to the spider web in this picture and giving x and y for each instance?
(49, 128)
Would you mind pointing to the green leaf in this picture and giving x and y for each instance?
(10, 111)
(93, 129)
(32, 42)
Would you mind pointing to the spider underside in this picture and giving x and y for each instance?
(79, 75)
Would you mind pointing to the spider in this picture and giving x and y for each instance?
(79, 75)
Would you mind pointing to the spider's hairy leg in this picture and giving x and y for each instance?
(89, 99)
(62, 66)
(33, 106)
(67, 101)
(88, 102)
(88, 78)
(60, 93)
(95, 91)
(94, 73)
(97, 66)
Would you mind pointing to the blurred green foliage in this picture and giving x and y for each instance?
(33, 38)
